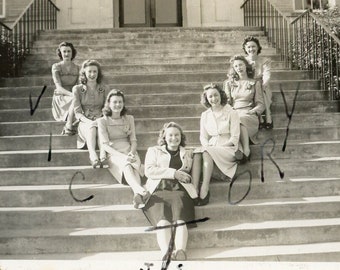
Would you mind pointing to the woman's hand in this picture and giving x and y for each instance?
(182, 177)
(131, 157)
(251, 112)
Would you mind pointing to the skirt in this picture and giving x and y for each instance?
(170, 205)
(60, 106)
(83, 132)
(118, 162)
(224, 160)
(251, 122)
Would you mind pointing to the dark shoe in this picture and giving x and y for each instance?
(204, 201)
(262, 125)
(138, 202)
(180, 255)
(102, 162)
(196, 201)
(95, 163)
(68, 132)
(270, 125)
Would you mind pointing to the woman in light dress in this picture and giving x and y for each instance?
(219, 136)
(117, 135)
(88, 102)
(246, 97)
(261, 67)
(65, 75)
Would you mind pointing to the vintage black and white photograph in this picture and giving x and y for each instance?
(169, 134)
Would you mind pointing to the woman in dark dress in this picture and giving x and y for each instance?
(167, 167)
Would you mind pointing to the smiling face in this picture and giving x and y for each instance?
(66, 53)
(213, 97)
(116, 104)
(172, 138)
(240, 67)
(91, 73)
(251, 48)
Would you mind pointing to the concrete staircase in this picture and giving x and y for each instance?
(162, 72)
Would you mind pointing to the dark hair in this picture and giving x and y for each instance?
(254, 39)
(114, 92)
(232, 75)
(204, 100)
(66, 44)
(87, 63)
(161, 138)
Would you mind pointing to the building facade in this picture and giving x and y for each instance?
(77, 14)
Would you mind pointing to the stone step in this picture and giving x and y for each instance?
(156, 111)
(35, 91)
(316, 256)
(118, 69)
(154, 124)
(115, 194)
(162, 99)
(87, 216)
(58, 37)
(165, 47)
(48, 61)
(207, 235)
(183, 53)
(157, 77)
(155, 40)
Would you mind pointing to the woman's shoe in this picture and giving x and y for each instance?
(238, 155)
(204, 201)
(67, 131)
(180, 255)
(102, 162)
(95, 163)
(138, 201)
(270, 125)
(262, 125)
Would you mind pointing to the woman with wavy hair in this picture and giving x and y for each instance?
(246, 97)
(168, 167)
(88, 102)
(219, 136)
(65, 75)
(117, 135)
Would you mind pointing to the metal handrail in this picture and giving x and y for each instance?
(314, 47)
(28, 6)
(16, 40)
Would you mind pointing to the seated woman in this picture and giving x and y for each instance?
(219, 136)
(88, 102)
(65, 75)
(261, 68)
(116, 132)
(167, 167)
(245, 96)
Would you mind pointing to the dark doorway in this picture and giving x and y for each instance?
(150, 13)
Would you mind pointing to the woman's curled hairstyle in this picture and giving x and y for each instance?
(87, 63)
(66, 44)
(161, 137)
(232, 75)
(204, 100)
(253, 39)
(114, 92)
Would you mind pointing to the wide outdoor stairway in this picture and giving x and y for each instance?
(162, 72)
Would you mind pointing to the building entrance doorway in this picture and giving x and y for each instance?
(150, 13)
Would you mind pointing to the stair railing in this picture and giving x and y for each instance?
(316, 48)
(303, 43)
(16, 40)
